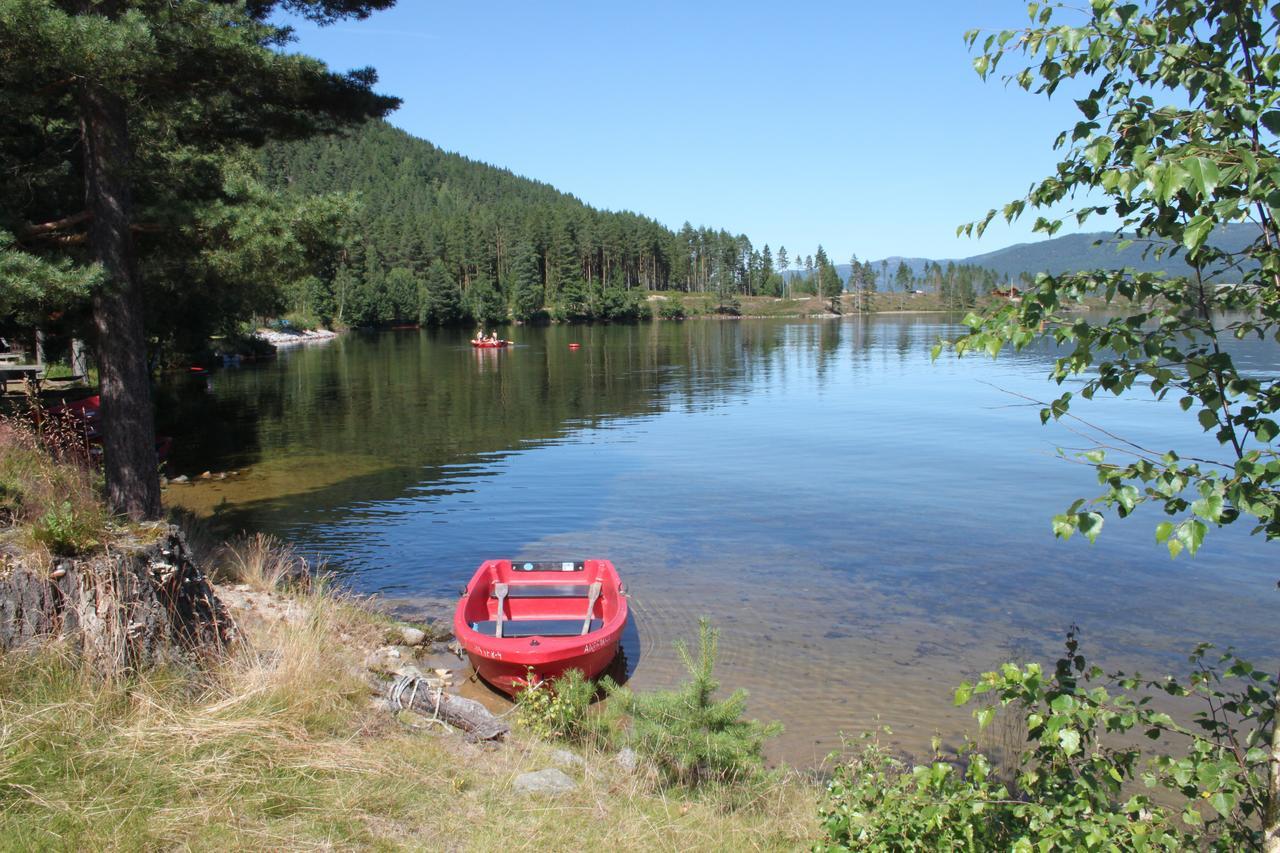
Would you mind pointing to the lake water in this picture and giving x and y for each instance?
(865, 527)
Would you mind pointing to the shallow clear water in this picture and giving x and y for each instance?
(866, 528)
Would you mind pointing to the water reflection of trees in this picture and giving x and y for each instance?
(415, 401)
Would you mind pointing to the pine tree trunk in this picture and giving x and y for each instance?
(128, 428)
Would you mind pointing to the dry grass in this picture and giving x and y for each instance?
(47, 503)
(261, 562)
(280, 748)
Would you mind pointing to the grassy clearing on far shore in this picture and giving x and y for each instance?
(700, 304)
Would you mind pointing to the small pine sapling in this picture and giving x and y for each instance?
(690, 737)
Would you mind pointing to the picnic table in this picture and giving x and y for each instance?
(19, 372)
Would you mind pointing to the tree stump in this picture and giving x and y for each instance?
(139, 602)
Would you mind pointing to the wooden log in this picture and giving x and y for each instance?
(420, 696)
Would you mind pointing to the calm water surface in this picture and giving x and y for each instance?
(866, 528)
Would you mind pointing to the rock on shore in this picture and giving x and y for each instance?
(284, 338)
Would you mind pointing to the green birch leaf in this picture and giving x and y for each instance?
(1196, 232)
(1090, 524)
(1069, 739)
(1204, 175)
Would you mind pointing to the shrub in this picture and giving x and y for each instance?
(672, 309)
(729, 305)
(47, 490)
(561, 710)
(1073, 789)
(688, 736)
(66, 532)
(616, 305)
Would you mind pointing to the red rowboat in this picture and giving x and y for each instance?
(491, 344)
(546, 616)
(84, 416)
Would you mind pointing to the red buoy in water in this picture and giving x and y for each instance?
(575, 346)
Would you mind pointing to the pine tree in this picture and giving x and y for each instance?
(903, 276)
(402, 296)
(691, 737)
(527, 293)
(442, 304)
(133, 108)
(484, 302)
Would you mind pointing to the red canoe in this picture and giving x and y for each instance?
(83, 415)
(546, 616)
(491, 344)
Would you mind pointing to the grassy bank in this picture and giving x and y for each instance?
(47, 502)
(283, 747)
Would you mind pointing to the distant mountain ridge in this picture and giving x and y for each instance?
(1074, 253)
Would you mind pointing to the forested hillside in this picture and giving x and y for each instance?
(438, 238)
(1072, 253)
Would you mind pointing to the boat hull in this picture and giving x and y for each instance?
(513, 674)
(509, 663)
(490, 344)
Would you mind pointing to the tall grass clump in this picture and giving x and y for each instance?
(49, 495)
(261, 562)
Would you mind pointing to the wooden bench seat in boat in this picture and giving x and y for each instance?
(545, 590)
(535, 627)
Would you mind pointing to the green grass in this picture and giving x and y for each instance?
(61, 371)
(46, 504)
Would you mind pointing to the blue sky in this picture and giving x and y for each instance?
(857, 125)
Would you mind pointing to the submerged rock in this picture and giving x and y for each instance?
(385, 659)
(413, 636)
(549, 781)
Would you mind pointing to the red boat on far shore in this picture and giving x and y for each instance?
(83, 416)
(523, 622)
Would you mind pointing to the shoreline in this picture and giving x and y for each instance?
(279, 338)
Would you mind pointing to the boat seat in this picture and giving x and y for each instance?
(535, 627)
(545, 590)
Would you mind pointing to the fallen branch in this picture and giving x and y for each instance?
(431, 700)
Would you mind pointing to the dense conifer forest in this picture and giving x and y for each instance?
(436, 237)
